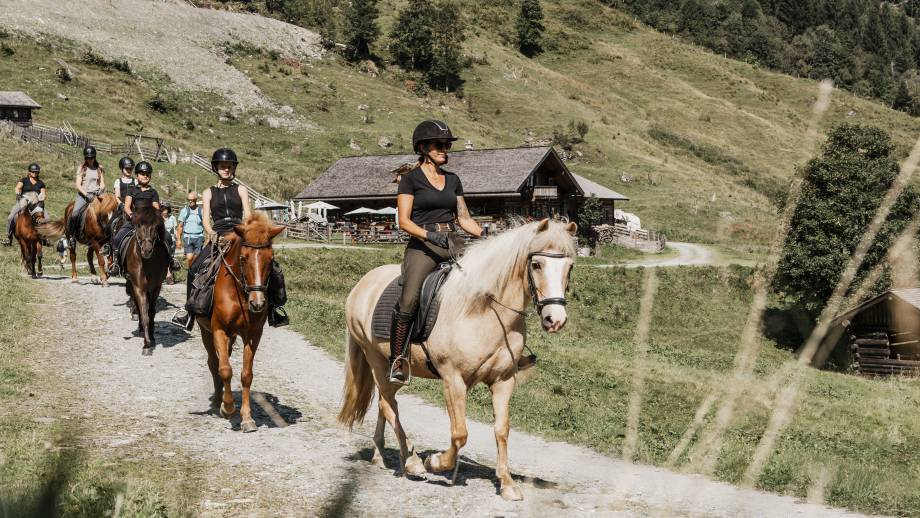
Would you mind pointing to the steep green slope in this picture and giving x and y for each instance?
(647, 99)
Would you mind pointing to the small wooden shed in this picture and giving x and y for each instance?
(17, 107)
(881, 336)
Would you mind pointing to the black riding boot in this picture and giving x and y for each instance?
(277, 316)
(400, 334)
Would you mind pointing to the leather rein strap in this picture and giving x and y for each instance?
(248, 288)
(538, 303)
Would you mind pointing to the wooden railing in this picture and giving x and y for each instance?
(545, 191)
(640, 239)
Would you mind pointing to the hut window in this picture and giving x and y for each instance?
(15, 114)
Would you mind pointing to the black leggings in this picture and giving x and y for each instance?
(421, 259)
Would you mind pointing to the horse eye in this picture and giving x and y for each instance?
(535, 265)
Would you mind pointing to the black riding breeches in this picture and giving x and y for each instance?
(421, 258)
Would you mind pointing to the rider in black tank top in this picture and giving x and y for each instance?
(226, 208)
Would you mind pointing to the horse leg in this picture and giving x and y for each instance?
(208, 340)
(412, 465)
(501, 399)
(72, 252)
(247, 424)
(222, 346)
(103, 275)
(379, 443)
(38, 259)
(24, 256)
(455, 395)
(143, 316)
(151, 296)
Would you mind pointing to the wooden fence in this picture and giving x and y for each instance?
(640, 239)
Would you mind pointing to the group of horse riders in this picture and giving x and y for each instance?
(429, 199)
(227, 203)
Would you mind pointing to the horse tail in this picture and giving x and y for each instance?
(359, 384)
(51, 229)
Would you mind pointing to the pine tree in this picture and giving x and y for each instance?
(448, 33)
(530, 28)
(412, 36)
(361, 29)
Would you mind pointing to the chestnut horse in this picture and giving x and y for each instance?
(239, 310)
(30, 243)
(479, 337)
(94, 235)
(146, 263)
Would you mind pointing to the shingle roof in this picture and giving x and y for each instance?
(482, 171)
(17, 99)
(597, 189)
(909, 295)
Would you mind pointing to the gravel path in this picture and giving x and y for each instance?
(688, 254)
(315, 464)
(170, 36)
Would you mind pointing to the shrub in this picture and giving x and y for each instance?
(161, 104)
(91, 58)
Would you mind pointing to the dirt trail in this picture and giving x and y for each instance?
(314, 464)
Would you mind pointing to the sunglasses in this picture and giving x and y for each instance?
(442, 144)
(193, 201)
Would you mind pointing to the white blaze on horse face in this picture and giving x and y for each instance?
(256, 298)
(554, 276)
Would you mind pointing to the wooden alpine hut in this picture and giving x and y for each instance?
(881, 336)
(17, 107)
(497, 183)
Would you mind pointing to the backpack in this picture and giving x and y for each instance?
(197, 212)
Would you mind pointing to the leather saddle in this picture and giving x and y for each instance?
(429, 302)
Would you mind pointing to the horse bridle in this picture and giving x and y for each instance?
(539, 303)
(247, 288)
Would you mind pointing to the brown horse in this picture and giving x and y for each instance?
(30, 243)
(239, 310)
(146, 263)
(479, 338)
(94, 234)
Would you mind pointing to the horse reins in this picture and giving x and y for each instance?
(538, 303)
(247, 288)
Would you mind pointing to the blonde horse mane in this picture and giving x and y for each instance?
(491, 264)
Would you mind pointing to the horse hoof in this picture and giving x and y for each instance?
(74, 280)
(377, 460)
(512, 492)
(248, 426)
(433, 464)
(147, 351)
(414, 466)
(227, 415)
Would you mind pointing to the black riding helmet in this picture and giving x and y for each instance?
(430, 130)
(35, 168)
(89, 152)
(126, 163)
(223, 155)
(143, 168)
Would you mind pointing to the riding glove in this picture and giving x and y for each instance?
(437, 238)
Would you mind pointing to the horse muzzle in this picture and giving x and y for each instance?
(553, 317)
(257, 302)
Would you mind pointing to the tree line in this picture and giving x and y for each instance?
(869, 47)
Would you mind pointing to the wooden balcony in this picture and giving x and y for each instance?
(543, 192)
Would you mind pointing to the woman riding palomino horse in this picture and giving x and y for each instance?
(227, 204)
(480, 337)
(240, 307)
(430, 205)
(29, 183)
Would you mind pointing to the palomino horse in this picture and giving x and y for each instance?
(239, 310)
(479, 337)
(30, 243)
(146, 263)
(94, 234)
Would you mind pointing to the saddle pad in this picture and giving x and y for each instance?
(429, 302)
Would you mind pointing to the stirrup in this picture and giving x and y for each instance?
(278, 317)
(7, 241)
(408, 372)
(186, 324)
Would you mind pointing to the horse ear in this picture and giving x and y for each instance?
(543, 225)
(239, 229)
(572, 228)
(275, 231)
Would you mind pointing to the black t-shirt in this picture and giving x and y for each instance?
(431, 205)
(28, 186)
(140, 197)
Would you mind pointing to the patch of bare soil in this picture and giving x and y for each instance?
(301, 462)
(181, 41)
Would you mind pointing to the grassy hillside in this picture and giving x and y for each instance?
(707, 141)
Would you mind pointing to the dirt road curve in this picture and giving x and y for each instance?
(311, 462)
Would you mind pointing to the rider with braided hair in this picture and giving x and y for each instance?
(430, 205)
